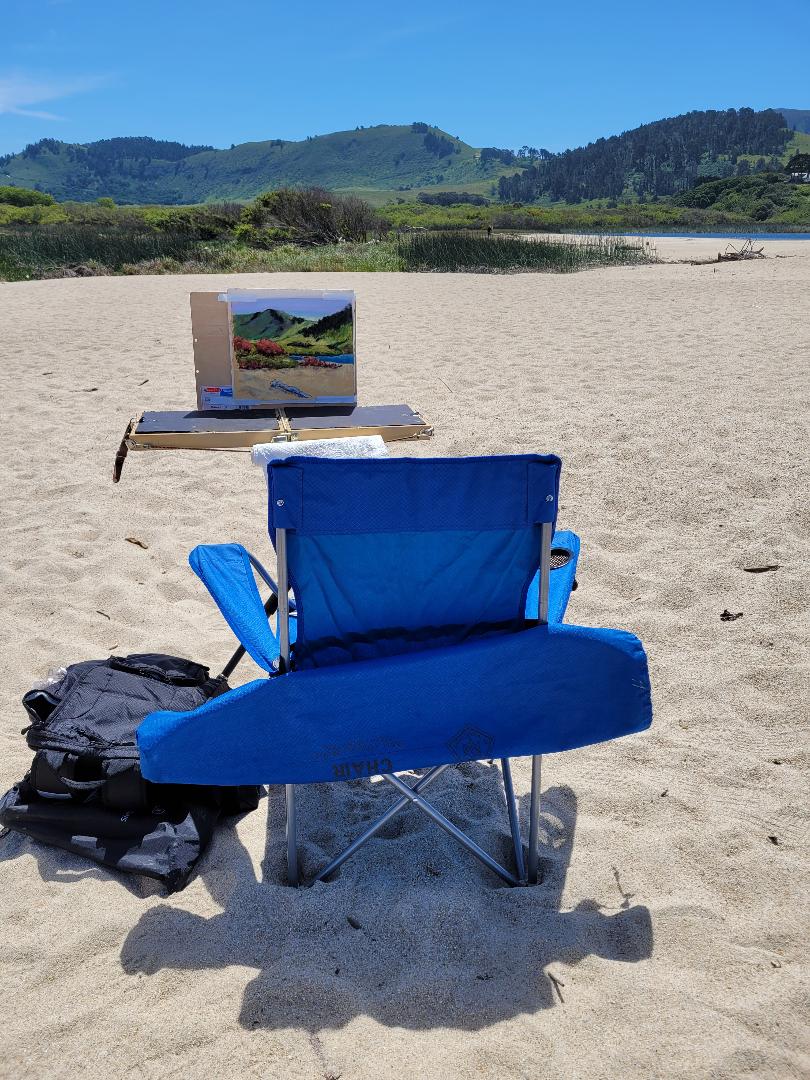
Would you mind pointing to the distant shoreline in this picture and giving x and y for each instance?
(671, 235)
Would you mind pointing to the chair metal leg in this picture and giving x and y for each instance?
(450, 828)
(400, 804)
(534, 821)
(292, 849)
(412, 795)
(514, 821)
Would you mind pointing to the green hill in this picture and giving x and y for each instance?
(142, 170)
(268, 323)
(658, 159)
(391, 162)
(329, 335)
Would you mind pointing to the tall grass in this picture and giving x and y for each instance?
(472, 252)
(32, 252)
(47, 251)
(238, 259)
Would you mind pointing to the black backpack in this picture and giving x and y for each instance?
(84, 791)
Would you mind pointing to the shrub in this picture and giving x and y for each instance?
(17, 196)
(310, 216)
(31, 215)
(762, 209)
(451, 198)
(268, 348)
(256, 237)
(208, 221)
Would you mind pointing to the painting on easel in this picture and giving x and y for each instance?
(293, 348)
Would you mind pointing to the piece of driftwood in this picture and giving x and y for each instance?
(736, 254)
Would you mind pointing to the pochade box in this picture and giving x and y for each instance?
(271, 365)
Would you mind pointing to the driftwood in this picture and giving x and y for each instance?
(747, 251)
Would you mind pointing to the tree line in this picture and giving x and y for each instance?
(661, 158)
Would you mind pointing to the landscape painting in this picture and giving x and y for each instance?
(293, 348)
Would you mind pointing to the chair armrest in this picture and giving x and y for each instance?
(227, 571)
(562, 581)
(538, 691)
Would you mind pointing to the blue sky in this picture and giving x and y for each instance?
(310, 307)
(546, 74)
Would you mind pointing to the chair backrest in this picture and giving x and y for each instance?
(402, 554)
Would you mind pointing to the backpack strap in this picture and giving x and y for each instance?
(64, 765)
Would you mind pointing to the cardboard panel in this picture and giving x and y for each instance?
(391, 421)
(154, 423)
(212, 350)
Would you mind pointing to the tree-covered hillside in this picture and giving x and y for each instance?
(392, 162)
(662, 158)
(141, 170)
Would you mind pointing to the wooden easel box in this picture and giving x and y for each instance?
(239, 430)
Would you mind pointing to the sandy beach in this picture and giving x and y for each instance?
(669, 936)
(338, 382)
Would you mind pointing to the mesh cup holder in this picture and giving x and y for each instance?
(559, 557)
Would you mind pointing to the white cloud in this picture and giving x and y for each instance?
(18, 92)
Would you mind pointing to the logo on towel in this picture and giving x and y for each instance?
(471, 744)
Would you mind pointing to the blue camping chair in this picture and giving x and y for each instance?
(425, 631)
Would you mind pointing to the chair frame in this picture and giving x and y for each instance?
(527, 869)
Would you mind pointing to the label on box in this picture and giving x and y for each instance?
(214, 398)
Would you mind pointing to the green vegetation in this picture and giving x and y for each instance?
(269, 336)
(141, 170)
(101, 238)
(405, 163)
(472, 252)
(766, 202)
(313, 229)
(662, 158)
(35, 252)
(306, 216)
(427, 251)
(769, 198)
(15, 196)
(451, 198)
(127, 240)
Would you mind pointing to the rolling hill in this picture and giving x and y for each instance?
(329, 335)
(268, 323)
(142, 170)
(659, 159)
(395, 161)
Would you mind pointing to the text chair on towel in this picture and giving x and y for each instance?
(426, 631)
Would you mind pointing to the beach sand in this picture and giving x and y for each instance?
(334, 382)
(669, 937)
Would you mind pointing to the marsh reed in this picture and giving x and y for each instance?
(476, 253)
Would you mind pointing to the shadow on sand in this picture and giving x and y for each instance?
(412, 931)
